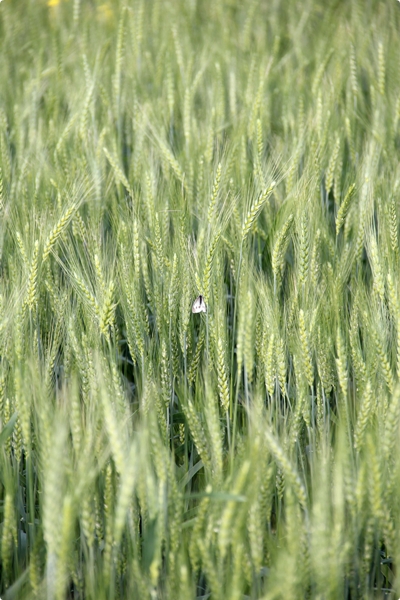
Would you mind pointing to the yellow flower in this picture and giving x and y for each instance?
(53, 2)
(105, 12)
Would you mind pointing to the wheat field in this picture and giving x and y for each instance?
(152, 151)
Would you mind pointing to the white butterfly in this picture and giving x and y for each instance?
(199, 305)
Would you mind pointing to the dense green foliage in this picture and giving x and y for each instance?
(247, 151)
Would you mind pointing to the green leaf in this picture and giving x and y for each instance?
(8, 429)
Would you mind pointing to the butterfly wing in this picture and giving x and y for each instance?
(199, 305)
